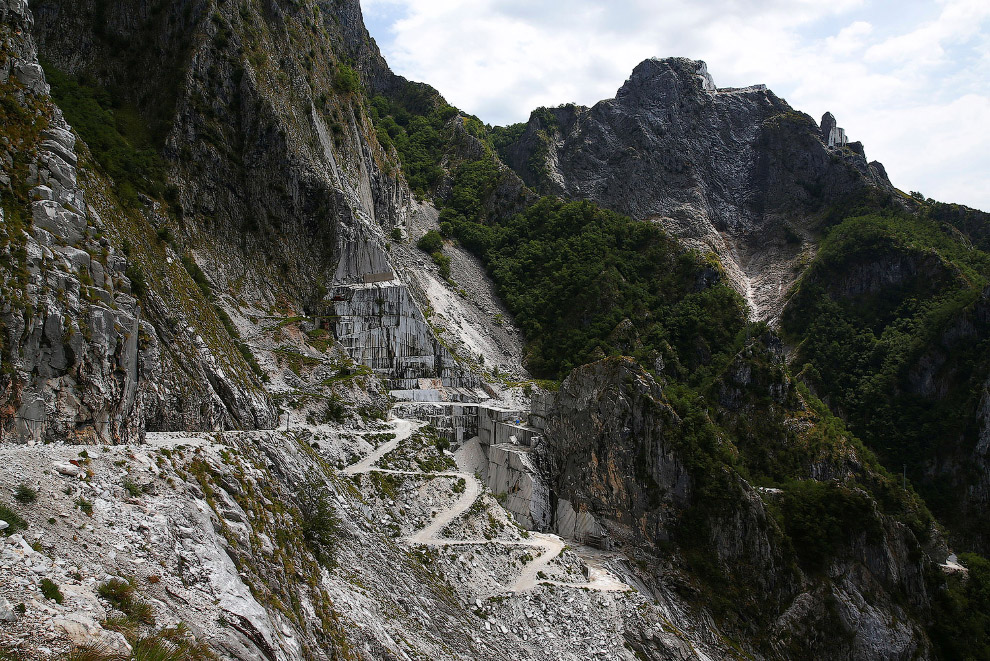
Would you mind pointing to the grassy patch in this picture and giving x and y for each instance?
(14, 522)
(122, 595)
(24, 494)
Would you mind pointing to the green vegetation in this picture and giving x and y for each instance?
(14, 522)
(818, 516)
(50, 590)
(168, 644)
(415, 125)
(139, 284)
(114, 132)
(889, 299)
(85, 505)
(121, 594)
(132, 488)
(346, 80)
(320, 524)
(24, 494)
(585, 283)
(430, 242)
(962, 612)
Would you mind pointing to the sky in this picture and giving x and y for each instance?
(909, 79)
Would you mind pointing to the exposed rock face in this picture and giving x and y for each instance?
(286, 200)
(316, 199)
(82, 358)
(611, 450)
(599, 433)
(828, 124)
(734, 171)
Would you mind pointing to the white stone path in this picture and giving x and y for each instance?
(550, 545)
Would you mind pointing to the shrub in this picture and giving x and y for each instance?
(24, 494)
(132, 487)
(346, 80)
(139, 285)
(430, 242)
(116, 135)
(85, 505)
(14, 522)
(443, 262)
(121, 595)
(196, 274)
(320, 525)
(51, 591)
(817, 517)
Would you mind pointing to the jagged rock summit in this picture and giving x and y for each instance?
(733, 171)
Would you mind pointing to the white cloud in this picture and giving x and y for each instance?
(850, 39)
(909, 79)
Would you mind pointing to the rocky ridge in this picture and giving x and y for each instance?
(328, 303)
(732, 171)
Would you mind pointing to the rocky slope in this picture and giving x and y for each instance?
(733, 171)
(214, 531)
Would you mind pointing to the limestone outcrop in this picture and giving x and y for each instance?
(614, 448)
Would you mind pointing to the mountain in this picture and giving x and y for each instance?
(735, 172)
(886, 310)
(300, 361)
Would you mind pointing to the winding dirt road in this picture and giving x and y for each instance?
(550, 546)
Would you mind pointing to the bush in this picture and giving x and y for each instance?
(121, 595)
(196, 273)
(133, 488)
(24, 494)
(571, 273)
(346, 80)
(85, 505)
(51, 591)
(139, 285)
(14, 522)
(320, 525)
(443, 262)
(430, 242)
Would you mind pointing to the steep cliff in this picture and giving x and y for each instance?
(890, 324)
(820, 564)
(103, 334)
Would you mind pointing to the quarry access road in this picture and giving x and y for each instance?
(550, 546)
